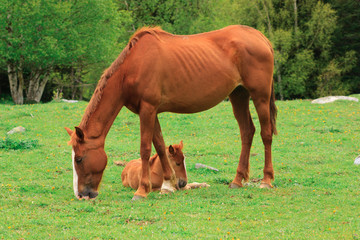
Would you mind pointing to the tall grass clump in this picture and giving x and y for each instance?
(8, 143)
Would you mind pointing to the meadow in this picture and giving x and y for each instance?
(315, 195)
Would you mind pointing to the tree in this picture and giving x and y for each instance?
(346, 39)
(41, 36)
(176, 16)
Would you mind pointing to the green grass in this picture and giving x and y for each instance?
(316, 194)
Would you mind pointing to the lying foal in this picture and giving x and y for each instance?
(131, 174)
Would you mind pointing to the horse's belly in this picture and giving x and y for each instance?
(199, 94)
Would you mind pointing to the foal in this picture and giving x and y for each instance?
(131, 174)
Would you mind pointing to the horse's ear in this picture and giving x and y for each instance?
(69, 131)
(79, 134)
(171, 150)
(181, 144)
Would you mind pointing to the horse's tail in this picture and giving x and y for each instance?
(273, 110)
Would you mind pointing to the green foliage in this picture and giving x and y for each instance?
(329, 81)
(57, 96)
(321, 26)
(9, 143)
(330, 78)
(298, 72)
(42, 37)
(346, 37)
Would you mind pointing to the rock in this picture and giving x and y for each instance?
(16, 130)
(200, 165)
(69, 101)
(357, 160)
(330, 99)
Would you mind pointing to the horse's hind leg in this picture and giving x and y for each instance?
(240, 102)
(261, 99)
(169, 184)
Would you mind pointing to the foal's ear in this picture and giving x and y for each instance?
(181, 144)
(69, 131)
(79, 134)
(171, 150)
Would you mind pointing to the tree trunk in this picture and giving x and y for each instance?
(73, 82)
(296, 23)
(295, 17)
(16, 81)
(36, 87)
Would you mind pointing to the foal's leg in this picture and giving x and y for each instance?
(147, 116)
(240, 102)
(169, 184)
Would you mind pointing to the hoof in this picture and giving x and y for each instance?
(167, 187)
(235, 185)
(137, 197)
(266, 185)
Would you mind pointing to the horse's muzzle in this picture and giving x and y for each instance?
(182, 183)
(87, 195)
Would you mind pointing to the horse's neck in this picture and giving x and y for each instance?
(98, 122)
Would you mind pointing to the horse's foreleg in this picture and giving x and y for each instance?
(169, 184)
(240, 102)
(147, 116)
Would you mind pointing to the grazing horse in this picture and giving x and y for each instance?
(161, 72)
(131, 174)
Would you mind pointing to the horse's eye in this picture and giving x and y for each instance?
(178, 164)
(78, 159)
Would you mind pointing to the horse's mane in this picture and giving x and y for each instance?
(155, 31)
(96, 98)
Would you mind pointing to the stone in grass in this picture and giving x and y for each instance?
(357, 160)
(330, 99)
(200, 165)
(16, 130)
(69, 101)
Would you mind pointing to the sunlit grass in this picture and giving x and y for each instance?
(316, 183)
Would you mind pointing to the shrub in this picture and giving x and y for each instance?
(8, 143)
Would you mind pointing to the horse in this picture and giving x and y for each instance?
(161, 72)
(131, 174)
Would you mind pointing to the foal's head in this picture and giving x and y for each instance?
(89, 161)
(177, 161)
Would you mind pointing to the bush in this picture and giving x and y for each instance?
(8, 143)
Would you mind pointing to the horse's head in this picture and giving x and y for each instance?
(89, 161)
(177, 161)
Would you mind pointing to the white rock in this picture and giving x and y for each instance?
(200, 165)
(357, 160)
(69, 101)
(16, 130)
(330, 99)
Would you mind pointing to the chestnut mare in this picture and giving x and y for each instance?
(131, 174)
(161, 72)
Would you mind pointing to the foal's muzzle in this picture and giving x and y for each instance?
(182, 183)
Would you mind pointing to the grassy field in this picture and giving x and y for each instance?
(316, 194)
